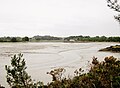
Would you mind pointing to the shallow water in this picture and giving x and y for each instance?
(42, 57)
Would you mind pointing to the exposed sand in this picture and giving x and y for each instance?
(42, 57)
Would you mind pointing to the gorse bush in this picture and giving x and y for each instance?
(105, 74)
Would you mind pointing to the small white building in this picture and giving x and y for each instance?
(71, 40)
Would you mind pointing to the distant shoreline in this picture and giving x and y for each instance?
(70, 39)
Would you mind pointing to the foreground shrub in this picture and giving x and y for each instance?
(105, 74)
(17, 77)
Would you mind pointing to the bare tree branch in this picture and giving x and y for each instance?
(114, 4)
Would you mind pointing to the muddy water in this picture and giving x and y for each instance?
(42, 57)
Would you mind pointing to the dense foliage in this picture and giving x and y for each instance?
(105, 74)
(47, 37)
(91, 39)
(26, 39)
(14, 39)
(66, 39)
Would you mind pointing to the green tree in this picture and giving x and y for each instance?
(13, 39)
(103, 38)
(17, 77)
(25, 39)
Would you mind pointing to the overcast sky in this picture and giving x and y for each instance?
(57, 18)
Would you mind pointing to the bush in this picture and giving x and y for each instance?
(105, 74)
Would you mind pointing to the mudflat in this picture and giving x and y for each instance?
(43, 57)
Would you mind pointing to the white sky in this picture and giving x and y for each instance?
(57, 18)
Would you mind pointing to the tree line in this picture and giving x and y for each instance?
(46, 37)
(91, 39)
(14, 39)
(66, 39)
(27, 39)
